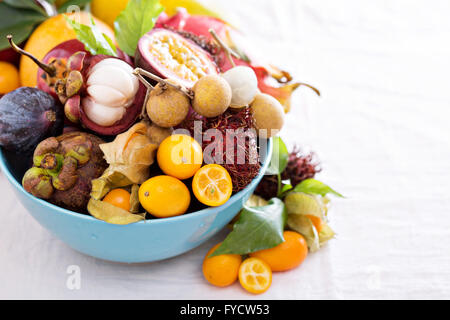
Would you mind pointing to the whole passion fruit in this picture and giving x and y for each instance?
(170, 55)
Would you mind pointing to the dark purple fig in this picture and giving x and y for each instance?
(63, 168)
(172, 56)
(27, 116)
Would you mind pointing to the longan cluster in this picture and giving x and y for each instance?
(169, 103)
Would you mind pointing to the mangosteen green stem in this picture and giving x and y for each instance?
(229, 52)
(50, 70)
(139, 72)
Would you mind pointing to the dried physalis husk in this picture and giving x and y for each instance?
(256, 201)
(301, 205)
(131, 152)
(112, 214)
(129, 157)
(134, 199)
(108, 181)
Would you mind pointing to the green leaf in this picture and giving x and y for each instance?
(312, 186)
(258, 228)
(94, 41)
(285, 188)
(25, 4)
(18, 22)
(137, 19)
(79, 3)
(20, 32)
(10, 16)
(280, 156)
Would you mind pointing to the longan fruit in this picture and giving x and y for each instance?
(212, 96)
(268, 114)
(167, 106)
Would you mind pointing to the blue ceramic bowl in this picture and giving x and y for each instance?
(145, 241)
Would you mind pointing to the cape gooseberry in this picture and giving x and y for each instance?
(268, 115)
(167, 106)
(244, 85)
(212, 96)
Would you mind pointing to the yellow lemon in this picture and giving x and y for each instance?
(192, 6)
(108, 10)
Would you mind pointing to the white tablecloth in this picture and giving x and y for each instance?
(381, 130)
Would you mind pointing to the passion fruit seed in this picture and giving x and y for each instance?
(212, 96)
(172, 50)
(172, 56)
(268, 115)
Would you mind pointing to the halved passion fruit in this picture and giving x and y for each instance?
(170, 55)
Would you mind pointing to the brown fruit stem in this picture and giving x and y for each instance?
(139, 72)
(50, 70)
(311, 87)
(144, 114)
(230, 53)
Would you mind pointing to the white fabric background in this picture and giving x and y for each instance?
(381, 129)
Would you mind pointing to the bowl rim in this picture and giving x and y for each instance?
(87, 217)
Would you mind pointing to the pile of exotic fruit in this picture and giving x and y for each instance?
(133, 124)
